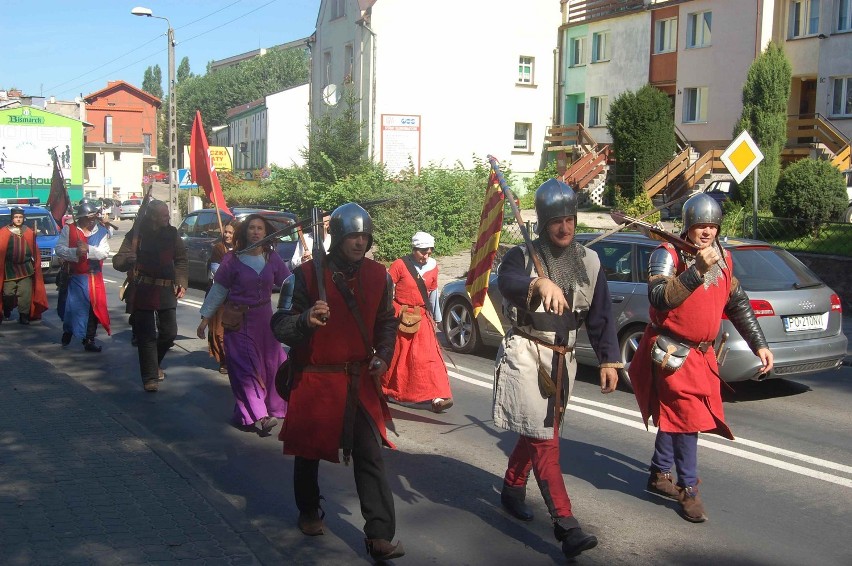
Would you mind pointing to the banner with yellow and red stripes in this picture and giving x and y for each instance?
(487, 241)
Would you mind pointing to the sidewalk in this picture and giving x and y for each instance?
(82, 483)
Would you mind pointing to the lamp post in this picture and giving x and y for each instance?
(172, 125)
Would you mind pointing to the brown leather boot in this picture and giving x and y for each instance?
(661, 483)
(381, 549)
(693, 507)
(310, 522)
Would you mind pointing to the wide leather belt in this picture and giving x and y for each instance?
(154, 281)
(351, 368)
(556, 348)
(700, 346)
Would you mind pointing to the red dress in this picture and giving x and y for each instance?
(314, 425)
(417, 372)
(689, 399)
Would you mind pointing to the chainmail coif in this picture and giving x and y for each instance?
(564, 266)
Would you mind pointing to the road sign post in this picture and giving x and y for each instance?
(741, 158)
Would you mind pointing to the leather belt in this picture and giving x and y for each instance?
(351, 368)
(154, 281)
(700, 346)
(558, 349)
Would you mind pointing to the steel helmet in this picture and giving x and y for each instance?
(349, 219)
(85, 209)
(553, 199)
(701, 209)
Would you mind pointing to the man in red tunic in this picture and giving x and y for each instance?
(20, 270)
(688, 295)
(341, 346)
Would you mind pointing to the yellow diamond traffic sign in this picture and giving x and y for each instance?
(742, 156)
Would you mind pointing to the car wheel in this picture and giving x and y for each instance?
(628, 342)
(460, 327)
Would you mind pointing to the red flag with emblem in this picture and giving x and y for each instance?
(203, 170)
(487, 241)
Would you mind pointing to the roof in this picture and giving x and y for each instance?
(113, 86)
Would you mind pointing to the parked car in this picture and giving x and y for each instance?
(129, 209)
(200, 230)
(800, 316)
(40, 220)
(158, 176)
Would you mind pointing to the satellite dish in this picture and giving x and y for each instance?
(330, 95)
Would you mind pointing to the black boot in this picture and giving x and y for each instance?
(512, 499)
(23, 319)
(90, 346)
(66, 338)
(574, 541)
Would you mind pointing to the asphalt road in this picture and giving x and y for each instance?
(781, 494)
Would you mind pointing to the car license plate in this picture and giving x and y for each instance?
(806, 322)
(45, 264)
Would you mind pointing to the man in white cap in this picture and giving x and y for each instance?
(417, 373)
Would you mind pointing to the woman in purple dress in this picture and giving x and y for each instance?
(243, 284)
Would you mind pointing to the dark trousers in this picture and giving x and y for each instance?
(678, 450)
(370, 481)
(18, 292)
(155, 333)
(542, 457)
(91, 325)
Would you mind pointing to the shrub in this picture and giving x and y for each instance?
(637, 206)
(811, 190)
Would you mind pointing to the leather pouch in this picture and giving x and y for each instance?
(409, 320)
(668, 353)
(233, 316)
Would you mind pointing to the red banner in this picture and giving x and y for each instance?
(58, 200)
(487, 241)
(201, 166)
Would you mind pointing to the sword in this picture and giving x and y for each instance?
(318, 253)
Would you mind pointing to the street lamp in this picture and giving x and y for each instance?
(172, 127)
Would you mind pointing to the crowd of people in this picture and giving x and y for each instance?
(359, 335)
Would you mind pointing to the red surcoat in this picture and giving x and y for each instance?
(39, 303)
(689, 399)
(313, 427)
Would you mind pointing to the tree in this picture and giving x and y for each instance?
(152, 81)
(183, 71)
(643, 136)
(766, 93)
(812, 190)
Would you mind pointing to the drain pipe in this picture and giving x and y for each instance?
(374, 48)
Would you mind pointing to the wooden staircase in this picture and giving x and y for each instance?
(813, 135)
(580, 160)
(682, 175)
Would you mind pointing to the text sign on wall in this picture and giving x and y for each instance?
(400, 142)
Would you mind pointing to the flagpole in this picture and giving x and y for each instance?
(495, 166)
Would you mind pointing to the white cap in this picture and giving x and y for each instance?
(422, 240)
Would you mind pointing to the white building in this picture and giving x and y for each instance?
(441, 82)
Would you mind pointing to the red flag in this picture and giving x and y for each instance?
(58, 200)
(487, 241)
(203, 171)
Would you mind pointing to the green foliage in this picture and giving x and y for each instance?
(636, 206)
(548, 172)
(183, 71)
(152, 82)
(812, 190)
(642, 129)
(766, 93)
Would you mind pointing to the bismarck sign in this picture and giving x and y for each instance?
(25, 118)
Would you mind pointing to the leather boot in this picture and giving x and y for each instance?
(381, 549)
(574, 541)
(310, 522)
(23, 319)
(513, 500)
(90, 346)
(690, 501)
(661, 483)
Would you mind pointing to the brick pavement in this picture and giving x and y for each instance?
(81, 483)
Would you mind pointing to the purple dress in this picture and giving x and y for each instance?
(253, 353)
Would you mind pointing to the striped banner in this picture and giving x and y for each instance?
(487, 240)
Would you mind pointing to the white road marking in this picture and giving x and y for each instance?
(581, 405)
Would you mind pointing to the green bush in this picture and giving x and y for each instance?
(811, 190)
(636, 206)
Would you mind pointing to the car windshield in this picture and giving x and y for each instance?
(770, 269)
(42, 224)
(131, 203)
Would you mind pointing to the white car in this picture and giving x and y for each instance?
(129, 209)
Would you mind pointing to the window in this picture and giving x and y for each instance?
(698, 29)
(695, 104)
(338, 9)
(146, 141)
(578, 52)
(842, 97)
(598, 107)
(349, 61)
(108, 129)
(616, 260)
(665, 36)
(525, 70)
(522, 136)
(844, 15)
(116, 156)
(803, 18)
(90, 160)
(600, 46)
(326, 68)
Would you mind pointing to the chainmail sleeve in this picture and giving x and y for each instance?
(739, 311)
(667, 291)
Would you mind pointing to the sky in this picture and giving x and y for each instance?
(66, 48)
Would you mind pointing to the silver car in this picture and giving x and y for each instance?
(129, 208)
(800, 316)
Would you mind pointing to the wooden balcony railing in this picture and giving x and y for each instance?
(585, 10)
(821, 131)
